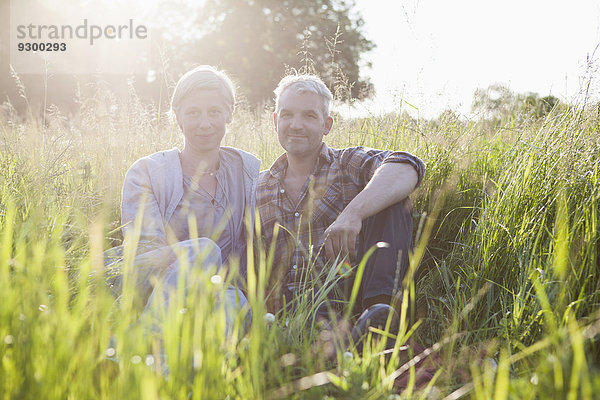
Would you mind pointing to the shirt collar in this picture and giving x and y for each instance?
(280, 165)
(325, 153)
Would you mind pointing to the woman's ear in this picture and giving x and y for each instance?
(229, 116)
(231, 111)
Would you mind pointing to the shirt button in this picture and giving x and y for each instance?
(282, 191)
(294, 266)
(296, 214)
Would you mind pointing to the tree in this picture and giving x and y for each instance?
(539, 106)
(255, 41)
(258, 41)
(498, 102)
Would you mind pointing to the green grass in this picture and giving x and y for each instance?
(507, 262)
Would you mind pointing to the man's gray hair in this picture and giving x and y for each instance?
(203, 77)
(304, 83)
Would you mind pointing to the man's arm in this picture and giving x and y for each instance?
(390, 184)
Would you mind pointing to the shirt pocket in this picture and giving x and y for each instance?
(328, 205)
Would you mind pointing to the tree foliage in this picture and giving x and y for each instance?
(258, 41)
(498, 101)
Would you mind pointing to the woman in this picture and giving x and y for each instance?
(189, 206)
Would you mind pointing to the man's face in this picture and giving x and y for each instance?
(300, 124)
(203, 116)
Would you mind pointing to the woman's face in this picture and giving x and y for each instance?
(203, 116)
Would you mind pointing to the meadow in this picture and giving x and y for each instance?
(506, 263)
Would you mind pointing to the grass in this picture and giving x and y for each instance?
(507, 263)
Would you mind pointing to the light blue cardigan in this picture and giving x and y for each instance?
(154, 184)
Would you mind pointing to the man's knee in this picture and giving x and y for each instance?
(394, 223)
(401, 211)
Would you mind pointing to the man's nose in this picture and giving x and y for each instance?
(296, 122)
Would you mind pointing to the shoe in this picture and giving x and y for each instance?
(330, 329)
(327, 313)
(375, 316)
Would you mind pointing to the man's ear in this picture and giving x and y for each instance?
(275, 120)
(328, 125)
(230, 114)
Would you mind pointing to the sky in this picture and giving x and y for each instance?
(433, 54)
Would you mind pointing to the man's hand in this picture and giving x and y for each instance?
(340, 237)
(391, 183)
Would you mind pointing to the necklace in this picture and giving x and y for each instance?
(197, 172)
(213, 199)
(198, 187)
(206, 172)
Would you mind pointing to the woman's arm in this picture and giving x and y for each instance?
(140, 213)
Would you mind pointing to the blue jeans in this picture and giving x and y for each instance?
(163, 265)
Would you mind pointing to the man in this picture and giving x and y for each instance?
(335, 203)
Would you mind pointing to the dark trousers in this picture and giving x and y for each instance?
(386, 267)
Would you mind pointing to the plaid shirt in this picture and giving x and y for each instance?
(337, 178)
